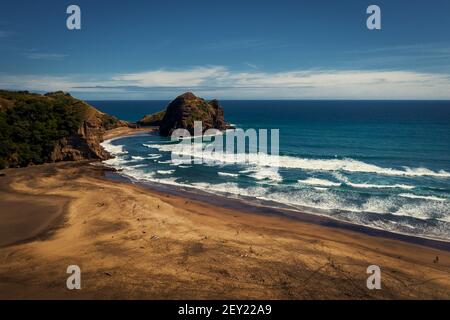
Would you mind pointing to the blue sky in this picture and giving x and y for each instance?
(243, 49)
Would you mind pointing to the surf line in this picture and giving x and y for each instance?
(237, 150)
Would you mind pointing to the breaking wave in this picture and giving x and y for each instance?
(319, 182)
(289, 162)
(165, 171)
(414, 196)
(227, 174)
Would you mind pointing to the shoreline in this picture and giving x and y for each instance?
(134, 242)
(121, 234)
(305, 215)
(287, 213)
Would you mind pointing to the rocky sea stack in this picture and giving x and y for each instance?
(183, 111)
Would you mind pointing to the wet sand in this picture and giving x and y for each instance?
(126, 131)
(134, 243)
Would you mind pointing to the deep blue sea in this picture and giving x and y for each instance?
(383, 164)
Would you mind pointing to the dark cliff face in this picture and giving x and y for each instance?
(82, 144)
(35, 129)
(187, 108)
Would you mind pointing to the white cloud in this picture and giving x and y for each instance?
(163, 78)
(46, 83)
(221, 82)
(35, 82)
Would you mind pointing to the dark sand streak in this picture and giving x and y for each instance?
(26, 217)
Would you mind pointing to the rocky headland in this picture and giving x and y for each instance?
(183, 111)
(36, 129)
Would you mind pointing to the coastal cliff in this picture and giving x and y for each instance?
(183, 111)
(54, 127)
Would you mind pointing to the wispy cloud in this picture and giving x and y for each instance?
(251, 65)
(40, 83)
(220, 81)
(299, 83)
(193, 77)
(44, 56)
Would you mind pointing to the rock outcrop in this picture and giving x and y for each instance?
(50, 128)
(184, 110)
(84, 144)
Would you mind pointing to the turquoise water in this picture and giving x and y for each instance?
(383, 164)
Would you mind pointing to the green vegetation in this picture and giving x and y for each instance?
(152, 119)
(31, 124)
(111, 122)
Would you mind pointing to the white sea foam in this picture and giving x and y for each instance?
(414, 196)
(319, 198)
(165, 171)
(371, 186)
(379, 186)
(327, 183)
(377, 205)
(424, 210)
(319, 182)
(231, 188)
(347, 165)
(445, 219)
(151, 144)
(152, 156)
(117, 162)
(265, 173)
(139, 165)
(137, 174)
(147, 145)
(137, 158)
(113, 149)
(227, 174)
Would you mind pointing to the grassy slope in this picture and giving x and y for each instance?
(31, 124)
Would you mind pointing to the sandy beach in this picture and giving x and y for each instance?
(126, 131)
(134, 243)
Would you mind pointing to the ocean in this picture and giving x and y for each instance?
(381, 164)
